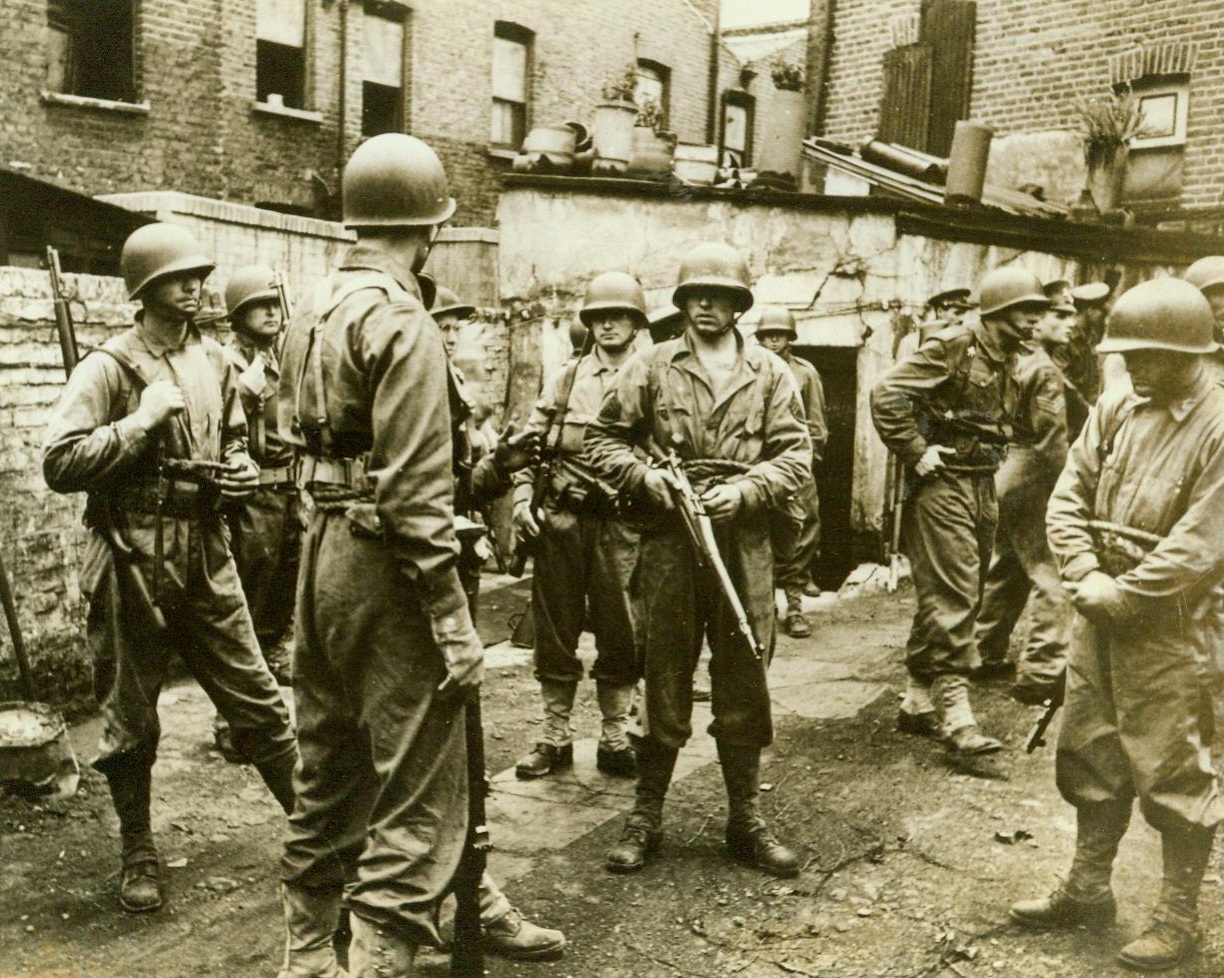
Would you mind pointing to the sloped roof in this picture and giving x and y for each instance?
(756, 45)
(918, 176)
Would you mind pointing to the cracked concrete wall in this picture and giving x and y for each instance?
(851, 280)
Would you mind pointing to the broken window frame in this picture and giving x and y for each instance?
(510, 110)
(97, 64)
(280, 55)
(657, 78)
(735, 98)
(383, 107)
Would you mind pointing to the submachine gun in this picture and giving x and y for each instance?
(700, 529)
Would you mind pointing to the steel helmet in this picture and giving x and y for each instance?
(1206, 273)
(615, 291)
(447, 301)
(395, 180)
(777, 319)
(1003, 288)
(157, 250)
(1161, 314)
(254, 283)
(714, 265)
(665, 323)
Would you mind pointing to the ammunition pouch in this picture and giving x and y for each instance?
(1117, 552)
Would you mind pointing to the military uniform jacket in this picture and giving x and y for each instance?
(811, 394)
(663, 394)
(1159, 469)
(1040, 426)
(257, 391)
(592, 378)
(958, 390)
(365, 375)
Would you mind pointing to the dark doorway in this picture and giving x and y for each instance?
(838, 366)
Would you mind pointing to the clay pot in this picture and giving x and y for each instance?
(696, 163)
(652, 152)
(1105, 181)
(612, 134)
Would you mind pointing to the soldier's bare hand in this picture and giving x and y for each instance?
(241, 481)
(462, 651)
(722, 502)
(659, 486)
(932, 460)
(516, 450)
(525, 523)
(158, 401)
(1096, 596)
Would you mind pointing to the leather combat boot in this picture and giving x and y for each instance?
(960, 729)
(643, 832)
(1086, 898)
(130, 778)
(516, 938)
(311, 918)
(614, 755)
(277, 774)
(556, 750)
(1172, 935)
(749, 838)
(795, 624)
(379, 952)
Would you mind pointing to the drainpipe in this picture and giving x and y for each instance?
(342, 101)
(712, 108)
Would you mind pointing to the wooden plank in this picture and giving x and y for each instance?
(948, 27)
(906, 101)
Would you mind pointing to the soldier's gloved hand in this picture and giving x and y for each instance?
(659, 486)
(158, 401)
(242, 481)
(722, 502)
(462, 651)
(1096, 596)
(516, 450)
(932, 460)
(525, 523)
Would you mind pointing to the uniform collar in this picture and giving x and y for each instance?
(366, 257)
(159, 348)
(684, 348)
(986, 340)
(1180, 409)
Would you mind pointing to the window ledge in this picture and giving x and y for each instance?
(284, 112)
(501, 153)
(84, 102)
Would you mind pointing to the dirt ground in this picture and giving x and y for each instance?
(911, 864)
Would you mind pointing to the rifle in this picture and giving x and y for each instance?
(467, 955)
(1037, 737)
(701, 534)
(282, 295)
(549, 452)
(63, 314)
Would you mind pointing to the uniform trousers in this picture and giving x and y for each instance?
(266, 544)
(793, 572)
(382, 786)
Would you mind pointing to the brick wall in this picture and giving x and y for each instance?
(40, 533)
(1032, 57)
(197, 128)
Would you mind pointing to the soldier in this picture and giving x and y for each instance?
(1078, 359)
(143, 428)
(584, 551)
(1135, 525)
(1049, 414)
(1207, 275)
(264, 527)
(793, 572)
(946, 413)
(943, 309)
(732, 414)
(665, 323)
(480, 478)
(385, 647)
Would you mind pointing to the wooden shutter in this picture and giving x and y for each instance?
(906, 101)
(948, 28)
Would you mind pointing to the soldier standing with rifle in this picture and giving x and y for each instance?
(584, 551)
(946, 412)
(730, 416)
(265, 528)
(149, 428)
(1136, 523)
(776, 332)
